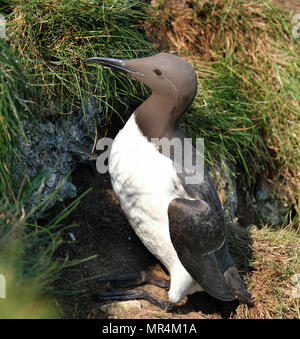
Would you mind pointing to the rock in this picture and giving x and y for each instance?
(264, 203)
(50, 183)
(56, 145)
(115, 308)
(225, 184)
(67, 190)
(271, 209)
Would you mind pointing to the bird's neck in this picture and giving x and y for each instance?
(157, 116)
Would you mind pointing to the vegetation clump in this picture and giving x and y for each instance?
(247, 62)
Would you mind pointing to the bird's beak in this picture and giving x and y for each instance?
(118, 65)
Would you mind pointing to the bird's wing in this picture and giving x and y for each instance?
(198, 234)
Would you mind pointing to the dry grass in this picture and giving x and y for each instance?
(211, 28)
(274, 257)
(251, 39)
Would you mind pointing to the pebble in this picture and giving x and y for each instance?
(121, 306)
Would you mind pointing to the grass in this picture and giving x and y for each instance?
(28, 261)
(221, 114)
(248, 68)
(26, 248)
(57, 37)
(13, 88)
(273, 259)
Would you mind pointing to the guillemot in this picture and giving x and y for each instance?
(181, 224)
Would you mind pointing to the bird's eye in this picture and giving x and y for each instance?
(157, 72)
